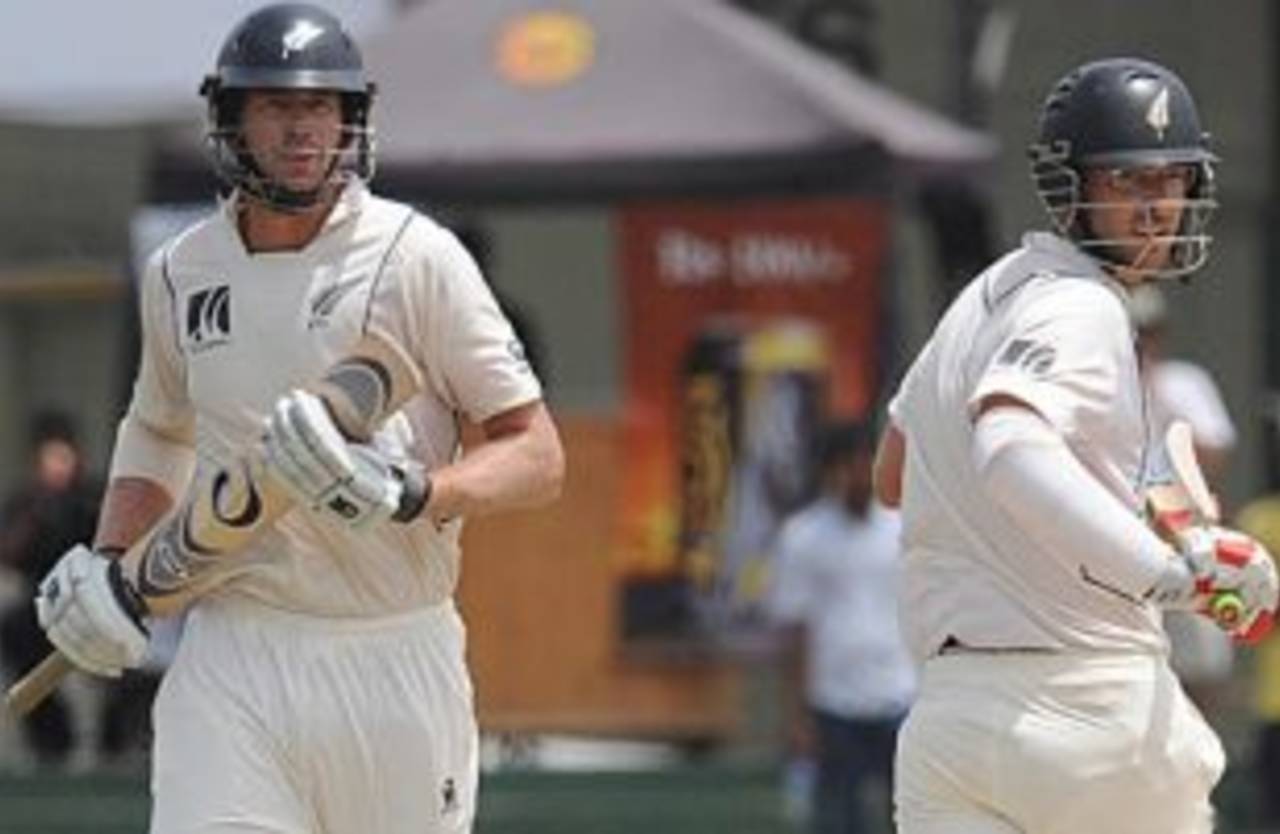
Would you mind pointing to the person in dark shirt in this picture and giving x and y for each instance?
(55, 507)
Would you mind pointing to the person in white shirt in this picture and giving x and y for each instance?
(1181, 389)
(1020, 448)
(834, 590)
(1177, 389)
(320, 684)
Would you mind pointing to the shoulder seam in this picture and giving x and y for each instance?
(382, 268)
(173, 293)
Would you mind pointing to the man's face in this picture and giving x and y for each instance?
(293, 135)
(57, 463)
(1140, 209)
(851, 480)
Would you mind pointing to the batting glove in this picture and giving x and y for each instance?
(1225, 568)
(351, 482)
(91, 613)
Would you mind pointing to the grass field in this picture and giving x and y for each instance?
(674, 801)
(677, 800)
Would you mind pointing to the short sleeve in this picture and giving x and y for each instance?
(160, 399)
(1067, 353)
(898, 407)
(439, 306)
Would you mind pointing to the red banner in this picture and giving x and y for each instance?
(747, 324)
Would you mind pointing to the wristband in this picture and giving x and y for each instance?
(414, 495)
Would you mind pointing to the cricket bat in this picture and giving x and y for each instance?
(1188, 501)
(224, 508)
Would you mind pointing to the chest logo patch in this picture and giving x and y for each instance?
(208, 318)
(327, 300)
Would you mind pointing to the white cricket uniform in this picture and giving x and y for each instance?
(1057, 712)
(322, 686)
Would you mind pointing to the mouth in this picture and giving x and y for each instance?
(300, 165)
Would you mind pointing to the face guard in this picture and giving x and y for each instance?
(1130, 118)
(288, 46)
(353, 158)
(1060, 186)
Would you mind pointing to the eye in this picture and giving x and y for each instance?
(323, 106)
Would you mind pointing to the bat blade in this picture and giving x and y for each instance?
(1226, 607)
(1180, 448)
(225, 508)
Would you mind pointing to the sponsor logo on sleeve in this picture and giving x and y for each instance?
(1035, 358)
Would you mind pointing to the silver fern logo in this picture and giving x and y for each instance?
(1158, 113)
(299, 36)
(326, 301)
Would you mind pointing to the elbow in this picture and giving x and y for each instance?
(554, 470)
(888, 489)
(550, 465)
(886, 471)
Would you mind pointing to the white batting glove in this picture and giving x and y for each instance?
(89, 611)
(351, 482)
(1217, 561)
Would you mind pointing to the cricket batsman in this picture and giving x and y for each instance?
(321, 684)
(1020, 448)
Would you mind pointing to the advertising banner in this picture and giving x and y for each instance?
(747, 324)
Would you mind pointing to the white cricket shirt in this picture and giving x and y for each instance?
(838, 575)
(227, 332)
(1184, 390)
(1046, 325)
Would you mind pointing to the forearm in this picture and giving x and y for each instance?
(130, 508)
(150, 467)
(520, 464)
(1030, 473)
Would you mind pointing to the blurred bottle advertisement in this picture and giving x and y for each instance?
(746, 326)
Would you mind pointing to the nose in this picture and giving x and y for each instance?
(1159, 212)
(298, 129)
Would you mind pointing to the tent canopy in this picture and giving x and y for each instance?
(586, 99)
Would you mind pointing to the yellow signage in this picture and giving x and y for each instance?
(545, 49)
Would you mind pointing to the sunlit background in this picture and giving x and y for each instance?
(595, 154)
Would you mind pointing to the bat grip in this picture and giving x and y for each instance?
(1227, 609)
(32, 688)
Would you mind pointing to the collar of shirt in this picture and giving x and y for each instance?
(1071, 260)
(1061, 249)
(354, 197)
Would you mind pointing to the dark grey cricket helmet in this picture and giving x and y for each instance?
(1121, 113)
(288, 46)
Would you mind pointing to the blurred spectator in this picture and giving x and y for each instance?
(55, 508)
(850, 679)
(1202, 654)
(1181, 389)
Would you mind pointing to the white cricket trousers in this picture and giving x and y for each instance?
(278, 723)
(1027, 743)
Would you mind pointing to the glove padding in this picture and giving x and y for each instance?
(1214, 560)
(88, 610)
(352, 482)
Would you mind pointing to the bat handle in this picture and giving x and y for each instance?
(1227, 609)
(32, 688)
